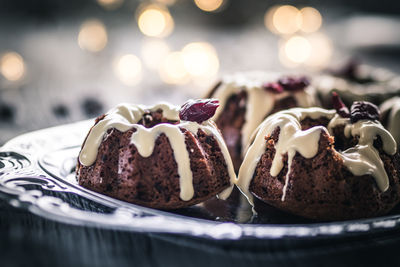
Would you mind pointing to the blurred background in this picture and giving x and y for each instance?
(65, 61)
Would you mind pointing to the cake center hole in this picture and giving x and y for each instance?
(153, 118)
(341, 141)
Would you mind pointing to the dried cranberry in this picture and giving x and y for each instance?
(273, 88)
(294, 83)
(340, 107)
(362, 110)
(198, 110)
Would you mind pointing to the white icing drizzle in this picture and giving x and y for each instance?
(360, 160)
(125, 117)
(392, 107)
(364, 158)
(259, 101)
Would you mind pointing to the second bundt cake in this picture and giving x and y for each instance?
(324, 164)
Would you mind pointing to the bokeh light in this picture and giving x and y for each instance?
(314, 50)
(294, 51)
(153, 52)
(173, 69)
(128, 69)
(155, 20)
(12, 66)
(268, 19)
(298, 49)
(200, 59)
(311, 19)
(209, 5)
(92, 36)
(321, 50)
(110, 4)
(286, 19)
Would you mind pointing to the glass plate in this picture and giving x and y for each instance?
(37, 174)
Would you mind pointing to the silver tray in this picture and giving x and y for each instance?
(36, 174)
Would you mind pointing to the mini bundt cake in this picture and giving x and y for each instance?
(323, 164)
(160, 157)
(357, 82)
(390, 116)
(246, 99)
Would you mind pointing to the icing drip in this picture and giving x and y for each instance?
(291, 140)
(392, 107)
(259, 101)
(125, 117)
(363, 159)
(122, 117)
(144, 140)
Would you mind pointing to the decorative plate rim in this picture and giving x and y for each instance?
(21, 174)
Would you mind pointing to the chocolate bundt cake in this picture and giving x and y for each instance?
(390, 116)
(246, 99)
(357, 82)
(324, 164)
(160, 157)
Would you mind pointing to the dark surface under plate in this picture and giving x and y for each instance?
(46, 219)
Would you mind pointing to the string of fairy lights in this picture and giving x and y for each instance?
(301, 43)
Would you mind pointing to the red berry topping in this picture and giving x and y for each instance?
(362, 110)
(198, 110)
(340, 107)
(273, 88)
(294, 83)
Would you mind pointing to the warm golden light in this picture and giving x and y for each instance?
(298, 49)
(311, 19)
(128, 69)
(286, 19)
(92, 36)
(285, 61)
(173, 69)
(321, 50)
(153, 52)
(295, 50)
(110, 4)
(200, 59)
(12, 66)
(209, 5)
(155, 20)
(268, 19)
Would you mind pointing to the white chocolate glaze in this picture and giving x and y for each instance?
(362, 159)
(259, 101)
(125, 117)
(392, 107)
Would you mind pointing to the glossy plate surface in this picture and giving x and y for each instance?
(36, 173)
